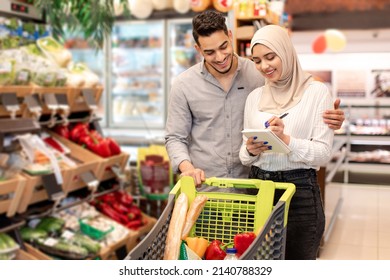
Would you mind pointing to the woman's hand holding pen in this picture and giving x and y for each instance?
(276, 125)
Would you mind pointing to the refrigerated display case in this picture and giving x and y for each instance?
(182, 54)
(137, 74)
(83, 52)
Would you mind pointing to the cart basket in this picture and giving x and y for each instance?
(233, 206)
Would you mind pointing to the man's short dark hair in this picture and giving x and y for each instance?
(208, 22)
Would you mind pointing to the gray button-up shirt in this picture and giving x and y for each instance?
(204, 122)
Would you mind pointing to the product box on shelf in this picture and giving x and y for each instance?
(11, 192)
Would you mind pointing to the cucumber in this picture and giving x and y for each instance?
(86, 242)
(8, 241)
(31, 234)
(63, 249)
(51, 225)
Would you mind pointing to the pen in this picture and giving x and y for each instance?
(266, 124)
(284, 115)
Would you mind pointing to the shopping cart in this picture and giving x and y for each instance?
(233, 206)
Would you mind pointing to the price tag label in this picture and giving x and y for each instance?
(32, 103)
(10, 102)
(51, 101)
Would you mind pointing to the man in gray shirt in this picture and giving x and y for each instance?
(206, 105)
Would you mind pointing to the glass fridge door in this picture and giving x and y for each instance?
(137, 79)
(182, 53)
(83, 52)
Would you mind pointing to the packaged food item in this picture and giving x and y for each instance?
(55, 51)
(7, 71)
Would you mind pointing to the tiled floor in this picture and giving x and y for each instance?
(361, 228)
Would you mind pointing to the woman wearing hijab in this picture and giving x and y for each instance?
(288, 89)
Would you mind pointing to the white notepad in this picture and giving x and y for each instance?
(266, 135)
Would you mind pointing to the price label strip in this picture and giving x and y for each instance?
(63, 105)
(53, 189)
(11, 104)
(52, 104)
(90, 180)
(33, 105)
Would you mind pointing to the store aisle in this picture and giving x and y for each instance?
(362, 228)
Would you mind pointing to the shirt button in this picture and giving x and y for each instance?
(228, 154)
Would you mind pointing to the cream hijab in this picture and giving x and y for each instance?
(284, 94)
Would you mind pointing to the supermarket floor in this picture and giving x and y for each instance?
(361, 229)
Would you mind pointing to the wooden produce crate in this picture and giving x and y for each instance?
(85, 160)
(34, 191)
(105, 170)
(110, 250)
(141, 232)
(41, 91)
(11, 192)
(77, 101)
(21, 92)
(23, 255)
(34, 252)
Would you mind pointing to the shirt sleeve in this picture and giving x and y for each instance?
(178, 127)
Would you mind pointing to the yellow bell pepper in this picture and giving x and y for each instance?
(198, 245)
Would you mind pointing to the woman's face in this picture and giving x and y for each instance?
(267, 62)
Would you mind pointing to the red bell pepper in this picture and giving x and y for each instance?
(215, 251)
(124, 197)
(78, 131)
(95, 134)
(101, 148)
(62, 130)
(119, 207)
(109, 198)
(134, 213)
(110, 212)
(134, 225)
(114, 147)
(242, 241)
(54, 144)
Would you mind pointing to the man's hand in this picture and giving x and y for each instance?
(334, 118)
(187, 169)
(197, 174)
